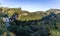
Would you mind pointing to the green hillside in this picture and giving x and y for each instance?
(39, 23)
(23, 15)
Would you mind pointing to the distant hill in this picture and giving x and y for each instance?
(54, 10)
(26, 15)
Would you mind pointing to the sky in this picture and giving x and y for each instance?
(31, 5)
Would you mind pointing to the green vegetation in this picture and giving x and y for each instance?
(38, 23)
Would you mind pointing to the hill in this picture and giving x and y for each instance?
(39, 23)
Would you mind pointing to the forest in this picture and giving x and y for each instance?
(39, 23)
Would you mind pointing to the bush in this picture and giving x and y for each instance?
(55, 32)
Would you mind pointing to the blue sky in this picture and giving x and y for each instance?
(31, 5)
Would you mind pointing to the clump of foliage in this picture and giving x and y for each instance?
(55, 32)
